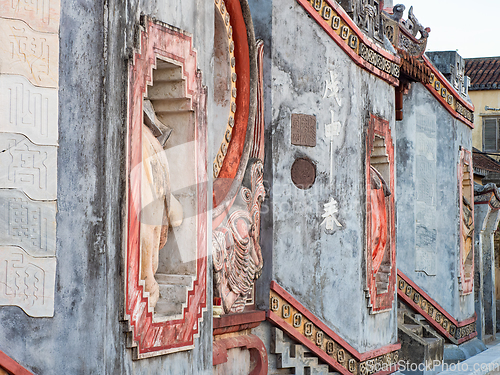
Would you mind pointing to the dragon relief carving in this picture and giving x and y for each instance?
(237, 255)
(402, 33)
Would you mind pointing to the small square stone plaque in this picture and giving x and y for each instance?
(303, 130)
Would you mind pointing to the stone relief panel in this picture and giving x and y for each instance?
(28, 167)
(238, 189)
(27, 282)
(29, 75)
(41, 15)
(166, 255)
(466, 196)
(28, 109)
(237, 254)
(380, 215)
(30, 53)
(426, 204)
(28, 224)
(366, 14)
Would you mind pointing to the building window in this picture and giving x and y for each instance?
(491, 134)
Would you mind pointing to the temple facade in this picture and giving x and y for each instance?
(237, 187)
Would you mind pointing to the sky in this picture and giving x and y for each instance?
(470, 26)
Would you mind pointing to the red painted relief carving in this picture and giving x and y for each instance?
(166, 134)
(239, 190)
(236, 250)
(380, 227)
(252, 343)
(466, 194)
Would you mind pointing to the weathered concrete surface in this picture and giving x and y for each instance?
(323, 270)
(427, 155)
(458, 353)
(85, 336)
(420, 344)
(486, 362)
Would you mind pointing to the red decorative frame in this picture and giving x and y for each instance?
(409, 298)
(467, 285)
(11, 366)
(233, 167)
(380, 302)
(150, 338)
(254, 344)
(294, 333)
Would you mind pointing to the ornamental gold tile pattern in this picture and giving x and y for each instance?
(453, 331)
(29, 79)
(306, 328)
(450, 97)
(334, 21)
(220, 6)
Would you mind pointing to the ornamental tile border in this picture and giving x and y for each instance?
(456, 332)
(300, 324)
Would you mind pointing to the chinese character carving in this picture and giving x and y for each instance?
(27, 166)
(28, 224)
(332, 88)
(41, 15)
(331, 209)
(32, 54)
(28, 110)
(27, 282)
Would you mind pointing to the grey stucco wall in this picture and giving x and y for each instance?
(427, 203)
(86, 336)
(323, 271)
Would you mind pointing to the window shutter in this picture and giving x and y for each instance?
(490, 134)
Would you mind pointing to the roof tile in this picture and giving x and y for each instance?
(484, 73)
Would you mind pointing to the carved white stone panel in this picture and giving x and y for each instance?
(41, 15)
(28, 109)
(28, 167)
(27, 282)
(28, 224)
(30, 53)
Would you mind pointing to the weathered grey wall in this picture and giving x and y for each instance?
(85, 336)
(262, 16)
(325, 272)
(428, 234)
